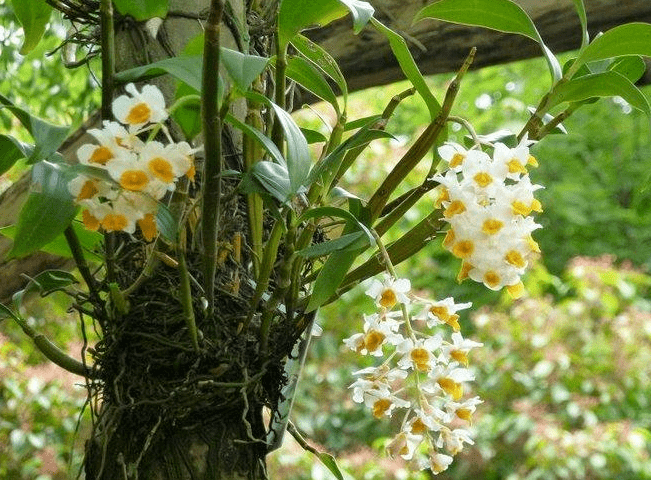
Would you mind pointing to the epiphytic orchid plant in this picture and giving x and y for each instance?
(220, 234)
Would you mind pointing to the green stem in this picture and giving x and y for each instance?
(80, 261)
(212, 128)
(422, 145)
(108, 85)
(395, 210)
(186, 300)
(557, 120)
(266, 267)
(279, 93)
(54, 353)
(253, 153)
(282, 285)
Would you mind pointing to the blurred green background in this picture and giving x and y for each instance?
(564, 372)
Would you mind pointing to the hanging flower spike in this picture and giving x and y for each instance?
(139, 108)
(389, 292)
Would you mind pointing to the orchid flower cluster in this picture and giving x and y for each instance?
(487, 202)
(137, 174)
(423, 372)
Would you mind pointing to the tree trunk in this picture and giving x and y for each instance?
(167, 411)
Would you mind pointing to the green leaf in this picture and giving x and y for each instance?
(331, 464)
(47, 137)
(331, 276)
(45, 283)
(632, 67)
(309, 77)
(321, 212)
(6, 312)
(330, 246)
(274, 178)
(295, 15)
(501, 15)
(188, 115)
(241, 68)
(142, 9)
(12, 150)
(323, 60)
(606, 84)
(49, 209)
(312, 136)
(409, 67)
(166, 224)
(184, 68)
(580, 10)
(298, 152)
(89, 240)
(628, 39)
(265, 141)
(33, 15)
(327, 168)
(361, 13)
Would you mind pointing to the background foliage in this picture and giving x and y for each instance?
(564, 373)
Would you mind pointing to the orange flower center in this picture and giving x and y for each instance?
(90, 222)
(463, 249)
(388, 298)
(514, 258)
(134, 180)
(88, 190)
(483, 179)
(420, 357)
(162, 169)
(456, 160)
(373, 340)
(139, 113)
(381, 406)
(454, 208)
(492, 226)
(147, 226)
(101, 155)
(114, 222)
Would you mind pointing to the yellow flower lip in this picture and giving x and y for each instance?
(134, 180)
(101, 155)
(162, 169)
(139, 113)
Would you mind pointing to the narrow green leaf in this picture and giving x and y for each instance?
(188, 115)
(166, 224)
(241, 68)
(47, 137)
(312, 136)
(142, 9)
(606, 84)
(185, 68)
(295, 15)
(321, 212)
(274, 178)
(330, 246)
(265, 141)
(628, 39)
(327, 168)
(49, 209)
(330, 462)
(580, 10)
(502, 15)
(6, 312)
(45, 283)
(298, 152)
(329, 279)
(309, 77)
(362, 122)
(360, 11)
(409, 67)
(12, 150)
(33, 15)
(90, 241)
(632, 67)
(323, 60)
